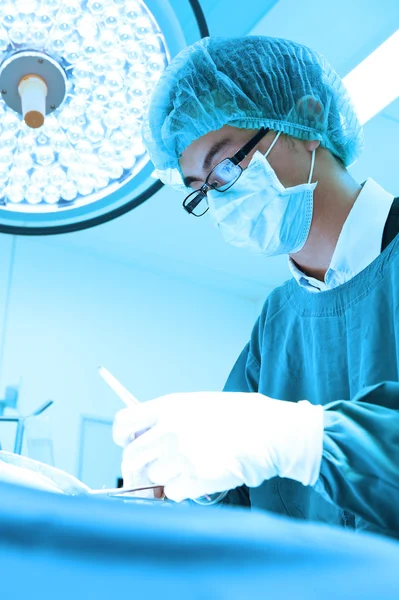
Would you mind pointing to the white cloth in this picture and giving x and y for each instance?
(206, 442)
(22, 476)
(359, 242)
(25, 471)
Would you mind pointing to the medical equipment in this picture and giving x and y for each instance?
(10, 400)
(75, 80)
(118, 388)
(21, 422)
(130, 401)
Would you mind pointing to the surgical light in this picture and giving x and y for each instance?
(75, 81)
(80, 56)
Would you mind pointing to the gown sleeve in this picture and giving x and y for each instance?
(360, 463)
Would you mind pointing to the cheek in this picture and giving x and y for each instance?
(290, 170)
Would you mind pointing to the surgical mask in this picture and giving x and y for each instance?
(260, 214)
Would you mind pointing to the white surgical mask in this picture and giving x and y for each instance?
(260, 214)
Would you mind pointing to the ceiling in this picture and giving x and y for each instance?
(159, 236)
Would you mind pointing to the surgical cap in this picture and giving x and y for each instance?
(248, 82)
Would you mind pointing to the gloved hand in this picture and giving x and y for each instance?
(139, 479)
(206, 442)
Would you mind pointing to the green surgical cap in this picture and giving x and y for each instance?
(248, 82)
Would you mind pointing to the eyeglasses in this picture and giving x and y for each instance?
(221, 178)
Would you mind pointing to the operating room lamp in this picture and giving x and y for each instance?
(75, 80)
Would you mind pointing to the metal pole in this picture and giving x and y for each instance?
(19, 436)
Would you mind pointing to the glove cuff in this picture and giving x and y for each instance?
(305, 429)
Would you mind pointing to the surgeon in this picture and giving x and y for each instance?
(260, 132)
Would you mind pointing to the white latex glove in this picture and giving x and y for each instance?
(138, 479)
(207, 442)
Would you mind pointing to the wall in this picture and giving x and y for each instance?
(7, 245)
(71, 311)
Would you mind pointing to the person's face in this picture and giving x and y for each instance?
(289, 157)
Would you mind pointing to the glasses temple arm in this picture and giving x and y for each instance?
(245, 150)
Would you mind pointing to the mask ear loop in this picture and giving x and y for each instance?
(274, 141)
(312, 166)
(312, 160)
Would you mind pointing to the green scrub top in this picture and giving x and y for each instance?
(340, 349)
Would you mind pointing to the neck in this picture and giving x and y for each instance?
(333, 200)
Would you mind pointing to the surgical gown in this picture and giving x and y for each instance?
(340, 349)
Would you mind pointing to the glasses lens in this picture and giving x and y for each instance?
(196, 204)
(224, 175)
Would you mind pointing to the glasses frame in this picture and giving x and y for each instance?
(190, 205)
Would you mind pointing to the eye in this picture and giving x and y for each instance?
(224, 174)
(214, 182)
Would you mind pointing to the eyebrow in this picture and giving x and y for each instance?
(212, 152)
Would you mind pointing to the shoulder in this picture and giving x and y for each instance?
(276, 301)
(273, 308)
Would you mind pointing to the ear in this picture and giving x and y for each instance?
(312, 145)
